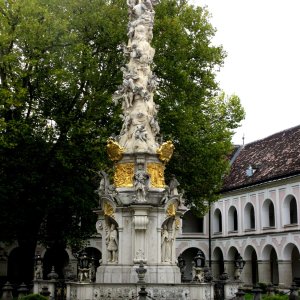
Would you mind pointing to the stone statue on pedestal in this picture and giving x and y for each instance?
(112, 243)
(166, 245)
(173, 186)
(38, 270)
(141, 182)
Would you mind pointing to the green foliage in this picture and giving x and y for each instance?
(60, 62)
(58, 68)
(263, 286)
(276, 297)
(193, 113)
(249, 296)
(34, 297)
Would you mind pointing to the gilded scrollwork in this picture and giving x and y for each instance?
(171, 210)
(177, 223)
(156, 171)
(165, 151)
(114, 150)
(123, 176)
(108, 210)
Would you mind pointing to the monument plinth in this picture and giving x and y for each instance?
(139, 216)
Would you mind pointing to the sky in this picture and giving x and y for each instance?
(262, 41)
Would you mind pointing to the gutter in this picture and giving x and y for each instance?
(259, 183)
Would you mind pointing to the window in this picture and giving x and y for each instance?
(271, 215)
(268, 214)
(293, 211)
(232, 219)
(249, 216)
(217, 221)
(252, 218)
(290, 211)
(192, 223)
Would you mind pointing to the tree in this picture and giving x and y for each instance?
(193, 112)
(60, 62)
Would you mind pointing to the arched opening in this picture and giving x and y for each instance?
(268, 212)
(293, 211)
(232, 219)
(295, 258)
(250, 273)
(217, 221)
(192, 223)
(249, 217)
(291, 259)
(95, 254)
(20, 266)
(271, 215)
(232, 255)
(254, 268)
(218, 263)
(274, 267)
(3, 266)
(188, 255)
(290, 210)
(57, 257)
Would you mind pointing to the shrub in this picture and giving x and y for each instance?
(276, 297)
(34, 297)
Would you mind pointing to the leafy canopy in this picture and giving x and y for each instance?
(60, 63)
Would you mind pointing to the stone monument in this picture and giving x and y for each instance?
(139, 216)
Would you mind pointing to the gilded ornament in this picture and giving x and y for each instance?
(165, 151)
(156, 172)
(171, 210)
(114, 150)
(123, 176)
(108, 210)
(177, 224)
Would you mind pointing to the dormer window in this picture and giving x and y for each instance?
(250, 171)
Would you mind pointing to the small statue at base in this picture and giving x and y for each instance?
(141, 182)
(38, 269)
(166, 245)
(173, 185)
(112, 243)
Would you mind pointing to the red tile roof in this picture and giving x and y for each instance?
(274, 157)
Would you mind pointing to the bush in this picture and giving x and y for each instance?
(263, 286)
(276, 297)
(34, 297)
(248, 296)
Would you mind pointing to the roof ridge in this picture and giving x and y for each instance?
(273, 134)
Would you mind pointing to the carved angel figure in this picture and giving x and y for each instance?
(141, 133)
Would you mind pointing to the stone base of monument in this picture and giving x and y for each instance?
(82, 291)
(127, 274)
(231, 288)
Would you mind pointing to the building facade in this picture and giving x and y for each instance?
(257, 216)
